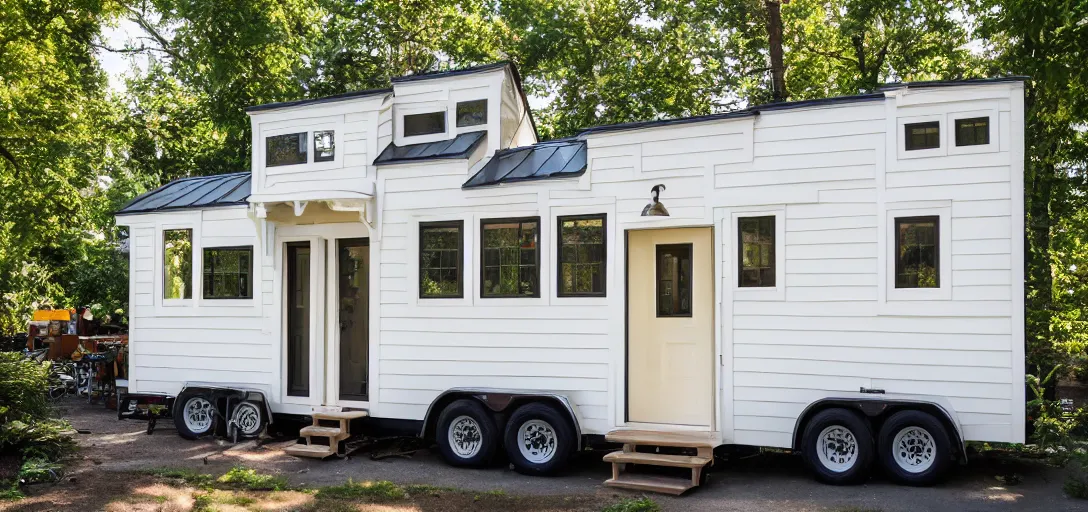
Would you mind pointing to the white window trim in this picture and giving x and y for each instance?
(944, 214)
(337, 127)
(610, 251)
(778, 292)
(192, 223)
(430, 107)
(901, 136)
(547, 259)
(950, 137)
(254, 284)
(468, 288)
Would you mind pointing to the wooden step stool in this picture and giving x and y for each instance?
(336, 435)
(702, 442)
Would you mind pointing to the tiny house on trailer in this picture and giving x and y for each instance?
(841, 277)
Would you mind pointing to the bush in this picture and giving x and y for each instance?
(1076, 484)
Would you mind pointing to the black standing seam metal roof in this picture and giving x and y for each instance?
(196, 192)
(327, 99)
(554, 159)
(460, 146)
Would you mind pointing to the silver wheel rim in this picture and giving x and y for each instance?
(914, 449)
(198, 415)
(837, 448)
(465, 437)
(247, 417)
(537, 441)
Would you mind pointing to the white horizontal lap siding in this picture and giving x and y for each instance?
(830, 335)
(201, 341)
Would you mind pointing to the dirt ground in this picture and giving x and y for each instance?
(110, 472)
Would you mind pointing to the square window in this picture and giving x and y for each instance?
(324, 146)
(441, 245)
(471, 113)
(510, 258)
(973, 132)
(177, 265)
(582, 243)
(917, 252)
(923, 135)
(228, 272)
(424, 124)
(288, 149)
(756, 246)
(674, 280)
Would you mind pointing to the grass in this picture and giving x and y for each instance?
(10, 493)
(183, 476)
(642, 504)
(381, 490)
(246, 478)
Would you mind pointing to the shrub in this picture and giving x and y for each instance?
(26, 424)
(632, 505)
(246, 478)
(1076, 484)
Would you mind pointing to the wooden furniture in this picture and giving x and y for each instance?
(335, 435)
(700, 454)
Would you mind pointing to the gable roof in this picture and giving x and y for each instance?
(327, 99)
(196, 192)
(460, 146)
(554, 159)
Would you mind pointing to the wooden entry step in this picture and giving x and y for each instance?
(334, 435)
(702, 443)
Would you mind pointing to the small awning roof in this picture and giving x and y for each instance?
(556, 159)
(195, 192)
(458, 147)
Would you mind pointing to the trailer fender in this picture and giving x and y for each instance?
(499, 400)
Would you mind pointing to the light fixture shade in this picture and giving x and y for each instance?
(655, 208)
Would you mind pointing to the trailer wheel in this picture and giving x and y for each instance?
(914, 448)
(194, 415)
(838, 447)
(247, 419)
(466, 434)
(539, 440)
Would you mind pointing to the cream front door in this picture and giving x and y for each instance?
(670, 336)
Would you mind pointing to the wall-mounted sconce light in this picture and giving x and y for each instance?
(655, 208)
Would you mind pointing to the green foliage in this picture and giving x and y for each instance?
(1076, 483)
(26, 423)
(39, 470)
(247, 478)
(183, 476)
(642, 504)
(382, 490)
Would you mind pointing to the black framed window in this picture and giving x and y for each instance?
(287, 149)
(177, 264)
(471, 113)
(582, 244)
(918, 252)
(923, 135)
(674, 269)
(324, 146)
(510, 257)
(756, 246)
(228, 272)
(973, 132)
(424, 124)
(441, 259)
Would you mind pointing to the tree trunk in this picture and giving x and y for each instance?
(774, 36)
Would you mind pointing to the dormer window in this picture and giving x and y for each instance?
(324, 146)
(424, 124)
(287, 149)
(471, 113)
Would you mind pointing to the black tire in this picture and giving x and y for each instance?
(812, 446)
(249, 419)
(549, 439)
(925, 449)
(179, 412)
(482, 425)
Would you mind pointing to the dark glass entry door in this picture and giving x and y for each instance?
(353, 262)
(298, 318)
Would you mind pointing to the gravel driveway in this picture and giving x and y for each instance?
(759, 483)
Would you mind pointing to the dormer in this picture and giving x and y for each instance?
(475, 111)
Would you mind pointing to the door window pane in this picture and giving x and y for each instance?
(674, 280)
(917, 249)
(973, 132)
(177, 263)
(471, 113)
(510, 258)
(227, 273)
(424, 124)
(288, 149)
(757, 259)
(298, 319)
(353, 263)
(324, 146)
(582, 256)
(440, 259)
(923, 135)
